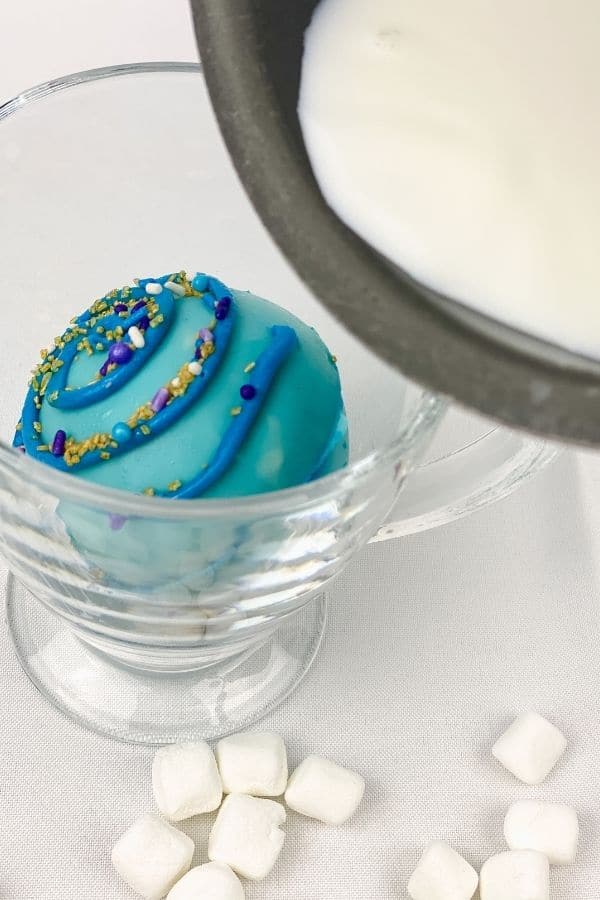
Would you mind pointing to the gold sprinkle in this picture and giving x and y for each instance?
(19, 426)
(104, 455)
(144, 429)
(174, 485)
(53, 396)
(113, 444)
(157, 320)
(100, 329)
(149, 491)
(236, 410)
(99, 346)
(249, 367)
(37, 427)
(42, 448)
(333, 358)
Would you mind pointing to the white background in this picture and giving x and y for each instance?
(440, 638)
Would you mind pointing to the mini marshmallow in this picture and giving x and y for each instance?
(550, 828)
(515, 875)
(246, 835)
(442, 874)
(186, 781)
(530, 748)
(323, 790)
(151, 856)
(212, 881)
(253, 763)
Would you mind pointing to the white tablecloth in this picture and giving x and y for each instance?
(434, 643)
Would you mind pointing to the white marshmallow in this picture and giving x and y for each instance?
(154, 288)
(442, 874)
(212, 881)
(530, 748)
(186, 781)
(515, 875)
(253, 763)
(550, 828)
(136, 337)
(246, 835)
(323, 790)
(151, 856)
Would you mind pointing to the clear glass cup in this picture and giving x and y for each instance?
(121, 172)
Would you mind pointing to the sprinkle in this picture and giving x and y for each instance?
(116, 521)
(145, 429)
(41, 448)
(159, 401)
(157, 320)
(149, 491)
(249, 367)
(104, 368)
(236, 410)
(154, 288)
(58, 444)
(175, 288)
(144, 323)
(139, 305)
(104, 455)
(176, 382)
(37, 427)
(206, 334)
(121, 432)
(207, 350)
(53, 396)
(99, 346)
(136, 337)
(19, 426)
(120, 307)
(195, 368)
(221, 312)
(333, 359)
(174, 485)
(120, 353)
(100, 329)
(198, 352)
(248, 391)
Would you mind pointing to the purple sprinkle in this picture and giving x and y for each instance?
(104, 368)
(198, 353)
(144, 323)
(225, 301)
(139, 305)
(58, 444)
(248, 391)
(120, 353)
(116, 521)
(221, 312)
(159, 401)
(120, 307)
(206, 334)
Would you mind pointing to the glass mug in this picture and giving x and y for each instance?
(197, 617)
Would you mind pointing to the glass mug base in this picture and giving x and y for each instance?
(146, 707)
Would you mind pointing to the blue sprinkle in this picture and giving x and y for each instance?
(121, 432)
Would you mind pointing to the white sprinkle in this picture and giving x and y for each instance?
(175, 288)
(136, 337)
(175, 382)
(194, 368)
(153, 288)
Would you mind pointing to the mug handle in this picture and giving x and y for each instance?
(455, 485)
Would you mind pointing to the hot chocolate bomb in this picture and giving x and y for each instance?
(182, 388)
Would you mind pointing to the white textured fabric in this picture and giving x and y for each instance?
(434, 644)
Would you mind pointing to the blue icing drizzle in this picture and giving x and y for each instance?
(204, 440)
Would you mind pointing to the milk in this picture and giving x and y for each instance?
(462, 140)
